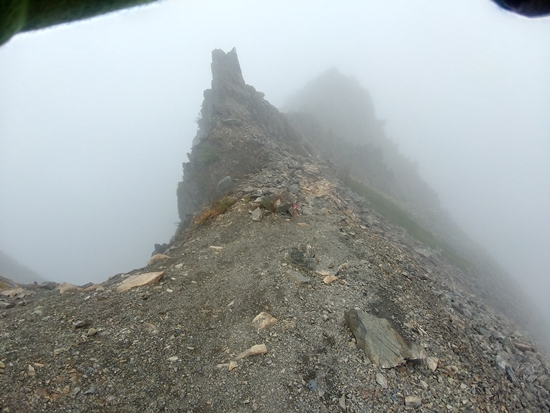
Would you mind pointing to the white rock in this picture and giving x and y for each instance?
(264, 320)
(413, 401)
(253, 351)
(381, 380)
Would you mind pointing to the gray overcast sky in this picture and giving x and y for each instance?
(96, 118)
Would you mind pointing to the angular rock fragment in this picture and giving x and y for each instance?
(157, 257)
(432, 363)
(381, 380)
(12, 292)
(413, 401)
(523, 346)
(301, 258)
(139, 280)
(380, 342)
(264, 320)
(48, 285)
(253, 351)
(329, 279)
(64, 287)
(92, 287)
(257, 215)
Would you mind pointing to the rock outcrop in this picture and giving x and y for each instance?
(250, 314)
(237, 132)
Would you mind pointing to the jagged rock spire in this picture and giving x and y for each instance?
(226, 67)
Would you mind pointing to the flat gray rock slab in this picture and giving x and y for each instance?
(380, 342)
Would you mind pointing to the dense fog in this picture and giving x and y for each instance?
(96, 118)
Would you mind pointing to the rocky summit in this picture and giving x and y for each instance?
(287, 288)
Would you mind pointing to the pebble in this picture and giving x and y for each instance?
(253, 351)
(91, 390)
(381, 380)
(432, 363)
(413, 401)
(264, 320)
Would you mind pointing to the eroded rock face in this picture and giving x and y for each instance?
(238, 129)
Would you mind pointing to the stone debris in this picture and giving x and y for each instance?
(432, 363)
(257, 215)
(13, 292)
(301, 256)
(264, 320)
(329, 279)
(93, 287)
(139, 280)
(380, 342)
(119, 358)
(253, 351)
(381, 380)
(157, 257)
(64, 287)
(413, 401)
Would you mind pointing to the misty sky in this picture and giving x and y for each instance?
(96, 118)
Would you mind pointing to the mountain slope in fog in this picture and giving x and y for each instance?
(273, 235)
(13, 270)
(336, 115)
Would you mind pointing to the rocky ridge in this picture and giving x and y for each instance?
(256, 308)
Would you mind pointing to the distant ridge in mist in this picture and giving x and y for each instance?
(13, 270)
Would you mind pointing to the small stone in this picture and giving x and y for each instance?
(48, 285)
(30, 371)
(81, 323)
(342, 402)
(157, 257)
(413, 401)
(432, 363)
(91, 390)
(63, 288)
(42, 392)
(253, 351)
(523, 346)
(342, 267)
(173, 359)
(381, 380)
(264, 320)
(2, 365)
(92, 332)
(257, 215)
(232, 365)
(329, 279)
(139, 280)
(92, 287)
